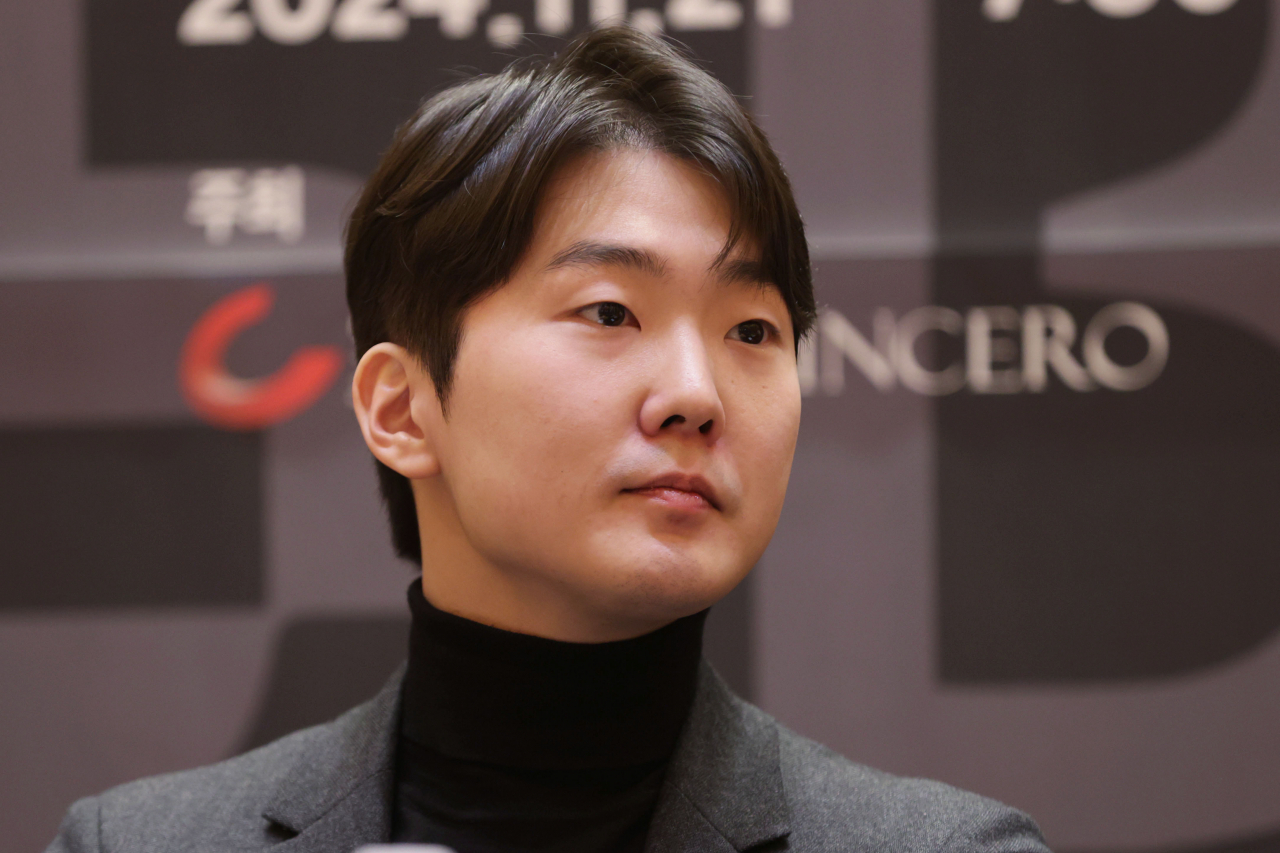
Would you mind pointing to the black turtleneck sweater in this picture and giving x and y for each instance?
(510, 742)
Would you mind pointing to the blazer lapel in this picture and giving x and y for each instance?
(723, 790)
(338, 794)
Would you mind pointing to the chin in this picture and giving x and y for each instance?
(671, 586)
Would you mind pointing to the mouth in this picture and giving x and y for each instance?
(680, 491)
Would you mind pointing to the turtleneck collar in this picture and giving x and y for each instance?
(481, 694)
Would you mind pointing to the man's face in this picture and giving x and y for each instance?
(624, 411)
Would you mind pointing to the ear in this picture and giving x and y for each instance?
(387, 384)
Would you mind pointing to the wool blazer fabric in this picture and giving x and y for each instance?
(738, 781)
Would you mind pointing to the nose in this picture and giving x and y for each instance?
(683, 398)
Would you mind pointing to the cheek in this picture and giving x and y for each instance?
(770, 426)
(534, 417)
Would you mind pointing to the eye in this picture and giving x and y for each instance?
(606, 313)
(752, 332)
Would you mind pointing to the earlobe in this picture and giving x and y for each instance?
(386, 381)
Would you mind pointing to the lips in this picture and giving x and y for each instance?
(674, 485)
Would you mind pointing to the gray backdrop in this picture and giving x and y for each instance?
(1028, 545)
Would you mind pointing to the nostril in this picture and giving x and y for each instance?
(705, 428)
(674, 419)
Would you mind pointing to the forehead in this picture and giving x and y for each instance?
(642, 199)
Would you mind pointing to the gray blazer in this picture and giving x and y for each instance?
(738, 780)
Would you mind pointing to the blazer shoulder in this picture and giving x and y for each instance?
(838, 804)
(220, 803)
(216, 807)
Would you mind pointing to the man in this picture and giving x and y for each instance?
(577, 290)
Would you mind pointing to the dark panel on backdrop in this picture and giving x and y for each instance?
(1092, 534)
(130, 516)
(323, 666)
(285, 87)
(1105, 535)
(1062, 99)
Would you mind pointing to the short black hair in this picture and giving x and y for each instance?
(449, 211)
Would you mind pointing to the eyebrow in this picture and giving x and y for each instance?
(743, 271)
(587, 253)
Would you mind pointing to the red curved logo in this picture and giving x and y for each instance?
(230, 402)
